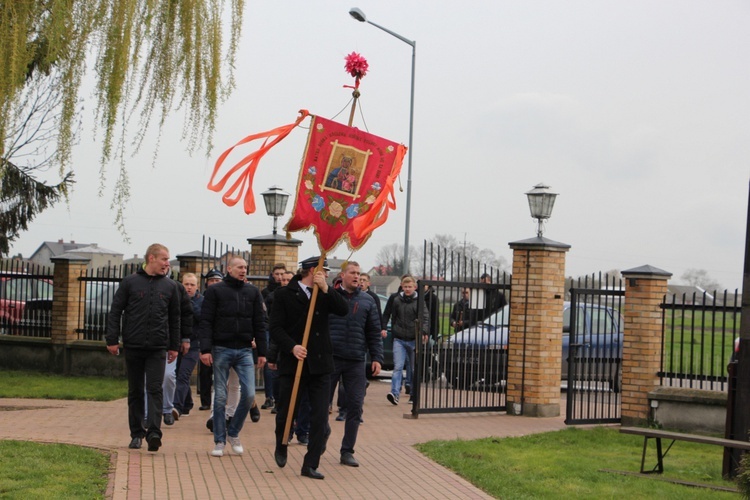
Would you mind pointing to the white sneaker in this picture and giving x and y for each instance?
(236, 445)
(218, 450)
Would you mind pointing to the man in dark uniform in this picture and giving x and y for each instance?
(287, 326)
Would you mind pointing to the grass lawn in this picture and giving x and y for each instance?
(26, 384)
(568, 463)
(34, 470)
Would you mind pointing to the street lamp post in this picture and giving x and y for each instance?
(275, 200)
(541, 202)
(360, 16)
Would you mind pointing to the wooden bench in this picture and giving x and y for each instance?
(658, 435)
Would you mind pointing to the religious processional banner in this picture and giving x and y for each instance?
(345, 186)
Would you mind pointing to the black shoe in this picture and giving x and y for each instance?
(348, 459)
(135, 443)
(154, 442)
(254, 413)
(273, 410)
(204, 407)
(280, 456)
(267, 404)
(210, 424)
(168, 419)
(407, 389)
(341, 416)
(303, 439)
(311, 473)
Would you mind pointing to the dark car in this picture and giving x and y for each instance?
(478, 355)
(25, 303)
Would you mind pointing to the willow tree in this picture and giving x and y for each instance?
(150, 58)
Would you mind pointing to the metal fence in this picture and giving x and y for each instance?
(25, 299)
(463, 365)
(97, 288)
(216, 254)
(698, 334)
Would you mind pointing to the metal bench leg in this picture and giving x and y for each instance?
(659, 468)
(659, 457)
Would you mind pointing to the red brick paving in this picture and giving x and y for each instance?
(184, 468)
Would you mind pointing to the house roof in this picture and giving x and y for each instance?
(94, 249)
(60, 247)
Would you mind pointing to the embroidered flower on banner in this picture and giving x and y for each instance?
(334, 209)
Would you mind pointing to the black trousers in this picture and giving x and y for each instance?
(318, 389)
(353, 382)
(205, 380)
(145, 367)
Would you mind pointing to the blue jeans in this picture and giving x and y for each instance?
(168, 387)
(242, 362)
(403, 353)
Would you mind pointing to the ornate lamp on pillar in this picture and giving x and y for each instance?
(275, 199)
(541, 202)
(273, 248)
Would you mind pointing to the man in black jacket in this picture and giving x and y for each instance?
(353, 336)
(288, 317)
(231, 318)
(149, 305)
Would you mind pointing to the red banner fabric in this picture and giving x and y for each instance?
(345, 186)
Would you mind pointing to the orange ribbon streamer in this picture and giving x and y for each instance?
(386, 200)
(244, 183)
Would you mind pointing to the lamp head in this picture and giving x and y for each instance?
(275, 200)
(541, 202)
(358, 14)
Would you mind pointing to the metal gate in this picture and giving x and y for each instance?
(592, 353)
(462, 365)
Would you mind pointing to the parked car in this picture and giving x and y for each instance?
(478, 355)
(25, 302)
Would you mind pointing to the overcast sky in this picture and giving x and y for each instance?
(636, 112)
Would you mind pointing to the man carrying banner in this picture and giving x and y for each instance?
(287, 325)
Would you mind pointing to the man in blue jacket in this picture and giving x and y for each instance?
(148, 303)
(232, 317)
(352, 337)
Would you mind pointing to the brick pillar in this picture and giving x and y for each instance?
(536, 311)
(645, 288)
(67, 298)
(268, 250)
(192, 264)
